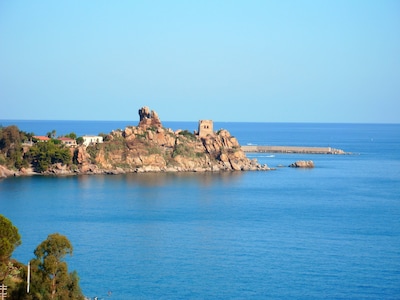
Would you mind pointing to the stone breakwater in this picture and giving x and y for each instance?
(292, 149)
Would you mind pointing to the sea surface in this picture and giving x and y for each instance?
(332, 232)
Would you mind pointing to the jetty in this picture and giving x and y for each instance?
(292, 149)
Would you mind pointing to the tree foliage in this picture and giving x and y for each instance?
(9, 240)
(52, 134)
(41, 155)
(79, 140)
(11, 152)
(44, 154)
(9, 137)
(72, 135)
(50, 277)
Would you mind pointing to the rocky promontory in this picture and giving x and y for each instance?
(149, 147)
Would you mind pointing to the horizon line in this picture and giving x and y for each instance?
(215, 121)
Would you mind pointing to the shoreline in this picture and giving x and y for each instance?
(7, 173)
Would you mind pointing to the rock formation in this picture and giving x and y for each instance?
(148, 118)
(4, 172)
(302, 164)
(149, 147)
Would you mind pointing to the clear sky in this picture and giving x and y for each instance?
(262, 61)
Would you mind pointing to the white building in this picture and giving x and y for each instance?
(92, 139)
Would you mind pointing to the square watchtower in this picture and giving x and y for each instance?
(205, 128)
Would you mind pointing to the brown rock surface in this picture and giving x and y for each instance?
(149, 147)
(148, 118)
(302, 164)
(4, 172)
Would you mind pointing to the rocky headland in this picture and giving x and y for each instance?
(149, 147)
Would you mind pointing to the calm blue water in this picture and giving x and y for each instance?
(332, 232)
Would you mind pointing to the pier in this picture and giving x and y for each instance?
(292, 149)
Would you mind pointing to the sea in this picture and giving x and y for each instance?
(331, 232)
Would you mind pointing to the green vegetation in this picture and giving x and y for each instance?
(154, 150)
(103, 135)
(11, 150)
(153, 128)
(15, 154)
(52, 134)
(49, 272)
(9, 240)
(188, 134)
(93, 150)
(115, 151)
(50, 277)
(142, 136)
(118, 143)
(79, 140)
(183, 150)
(200, 154)
(44, 154)
(72, 135)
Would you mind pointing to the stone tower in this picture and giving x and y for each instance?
(205, 128)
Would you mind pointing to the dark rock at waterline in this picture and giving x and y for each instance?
(302, 164)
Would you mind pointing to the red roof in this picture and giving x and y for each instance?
(41, 138)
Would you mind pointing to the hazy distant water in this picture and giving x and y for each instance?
(351, 137)
(332, 232)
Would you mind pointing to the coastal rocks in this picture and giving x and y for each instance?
(148, 118)
(26, 171)
(302, 164)
(4, 172)
(149, 147)
(219, 141)
(81, 156)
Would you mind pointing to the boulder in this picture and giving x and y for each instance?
(148, 118)
(4, 172)
(302, 164)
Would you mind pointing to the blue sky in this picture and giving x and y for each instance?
(262, 61)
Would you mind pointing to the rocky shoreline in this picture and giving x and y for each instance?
(149, 147)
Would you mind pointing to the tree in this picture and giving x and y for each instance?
(72, 135)
(50, 277)
(11, 151)
(79, 140)
(9, 137)
(9, 240)
(52, 134)
(42, 155)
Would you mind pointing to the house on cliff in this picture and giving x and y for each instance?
(41, 138)
(92, 139)
(67, 141)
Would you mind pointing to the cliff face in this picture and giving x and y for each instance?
(149, 147)
(138, 149)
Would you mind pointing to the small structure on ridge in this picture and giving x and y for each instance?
(205, 128)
